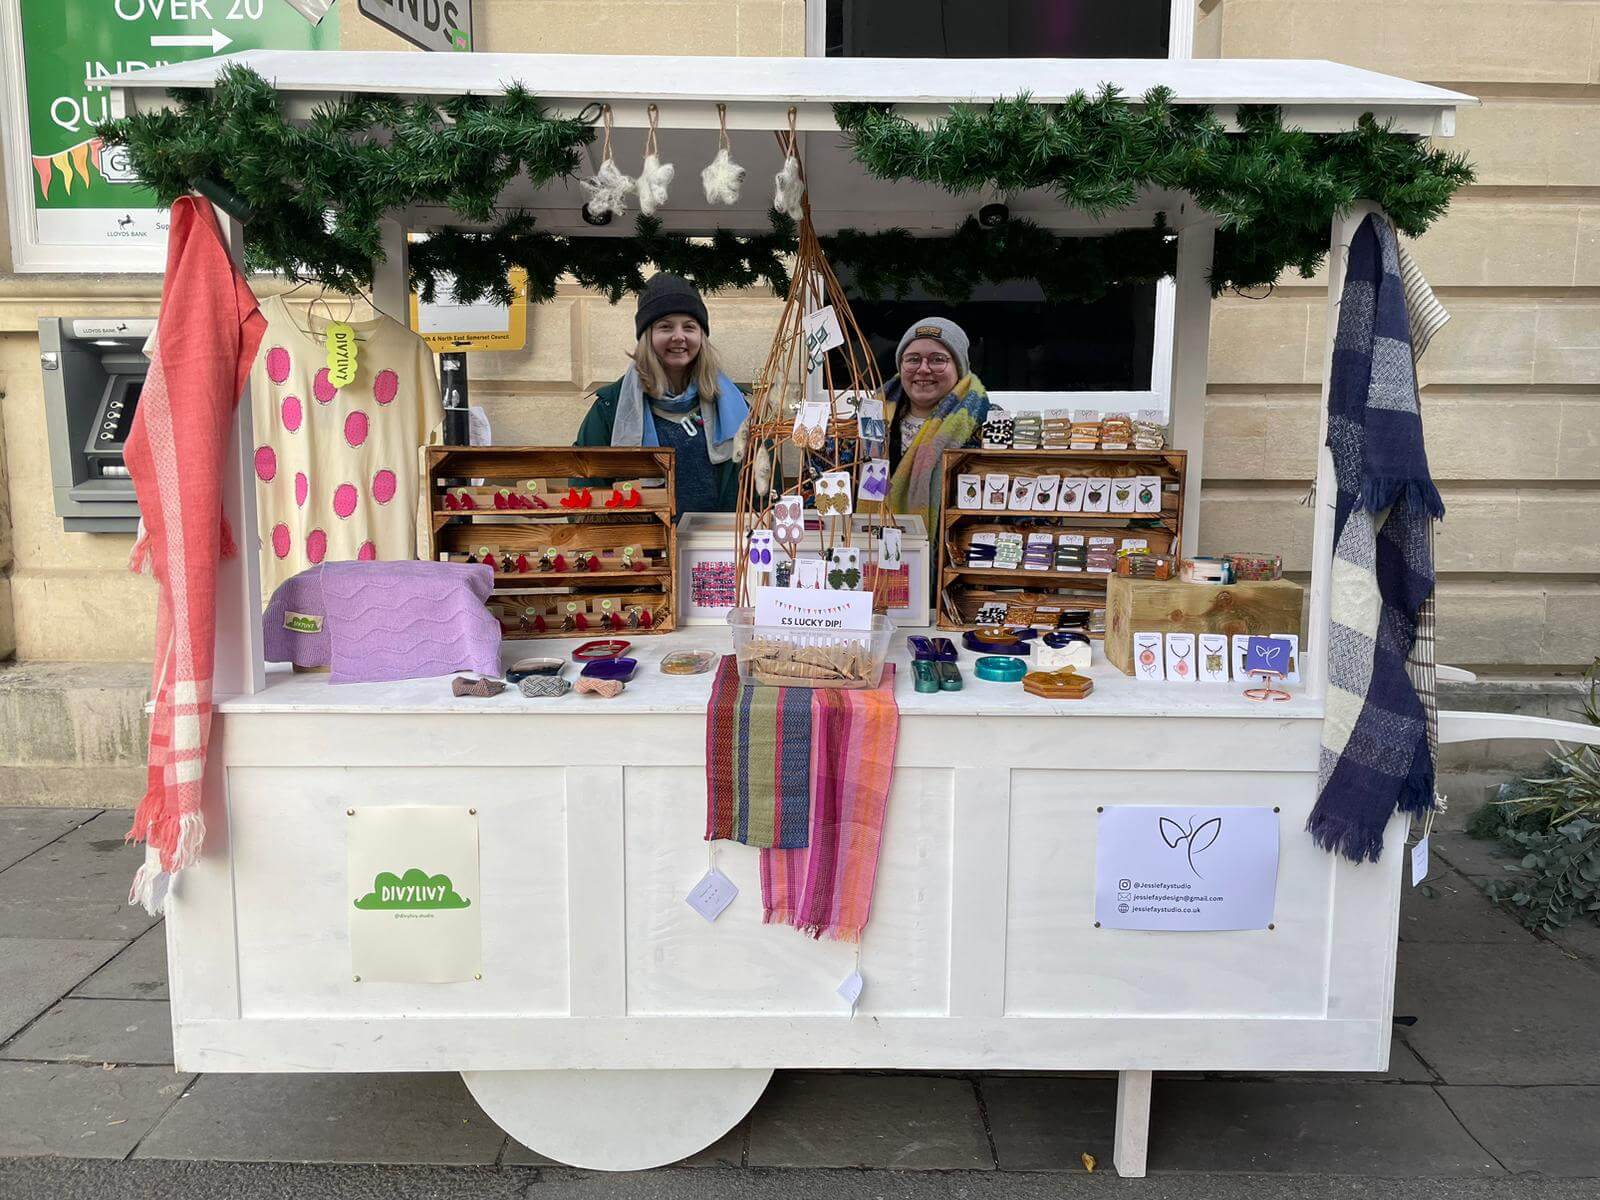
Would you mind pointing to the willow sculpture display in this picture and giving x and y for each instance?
(812, 509)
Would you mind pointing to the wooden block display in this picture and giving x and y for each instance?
(559, 572)
(1172, 606)
(976, 502)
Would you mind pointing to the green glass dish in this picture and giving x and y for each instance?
(1000, 668)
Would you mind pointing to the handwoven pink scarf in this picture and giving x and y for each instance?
(205, 342)
(825, 890)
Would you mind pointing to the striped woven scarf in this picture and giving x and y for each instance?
(917, 486)
(758, 762)
(1377, 734)
(825, 890)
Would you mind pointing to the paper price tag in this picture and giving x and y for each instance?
(712, 894)
(850, 989)
(1419, 862)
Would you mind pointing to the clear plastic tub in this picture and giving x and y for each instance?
(783, 658)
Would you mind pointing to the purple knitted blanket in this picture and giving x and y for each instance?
(375, 621)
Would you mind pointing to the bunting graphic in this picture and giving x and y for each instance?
(71, 162)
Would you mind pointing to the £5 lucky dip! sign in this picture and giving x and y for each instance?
(414, 903)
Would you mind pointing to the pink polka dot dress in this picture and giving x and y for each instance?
(336, 468)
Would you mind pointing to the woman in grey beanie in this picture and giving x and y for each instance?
(676, 395)
(933, 404)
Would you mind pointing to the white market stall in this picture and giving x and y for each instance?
(602, 995)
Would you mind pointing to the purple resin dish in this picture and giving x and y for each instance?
(620, 669)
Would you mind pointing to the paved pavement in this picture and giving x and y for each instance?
(1493, 1087)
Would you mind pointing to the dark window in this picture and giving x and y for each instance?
(997, 28)
(1020, 343)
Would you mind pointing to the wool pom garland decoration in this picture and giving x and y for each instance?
(607, 189)
(723, 178)
(789, 188)
(656, 177)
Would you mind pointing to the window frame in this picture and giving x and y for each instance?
(1158, 397)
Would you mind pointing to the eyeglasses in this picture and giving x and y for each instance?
(934, 362)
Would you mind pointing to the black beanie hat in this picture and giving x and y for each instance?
(665, 295)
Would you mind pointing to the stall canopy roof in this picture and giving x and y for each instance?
(1315, 95)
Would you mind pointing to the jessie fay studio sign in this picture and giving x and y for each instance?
(1185, 868)
(413, 880)
(802, 609)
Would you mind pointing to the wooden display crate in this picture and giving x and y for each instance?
(541, 601)
(962, 590)
(1172, 606)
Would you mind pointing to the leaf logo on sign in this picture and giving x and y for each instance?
(1195, 839)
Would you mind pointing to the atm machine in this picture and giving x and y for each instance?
(94, 369)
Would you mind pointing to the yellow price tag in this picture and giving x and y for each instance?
(341, 342)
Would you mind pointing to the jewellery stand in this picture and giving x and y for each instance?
(1266, 691)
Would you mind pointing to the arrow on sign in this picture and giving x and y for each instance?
(216, 39)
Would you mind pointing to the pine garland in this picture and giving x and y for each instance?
(318, 190)
(1276, 190)
(890, 263)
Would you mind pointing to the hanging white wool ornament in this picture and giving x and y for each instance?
(789, 188)
(607, 190)
(654, 181)
(722, 179)
(763, 469)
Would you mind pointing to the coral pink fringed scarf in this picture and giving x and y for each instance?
(825, 890)
(205, 342)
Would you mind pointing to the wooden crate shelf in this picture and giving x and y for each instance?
(963, 589)
(571, 601)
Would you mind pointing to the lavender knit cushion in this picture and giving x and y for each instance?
(388, 620)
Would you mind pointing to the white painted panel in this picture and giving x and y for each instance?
(680, 964)
(1059, 964)
(287, 828)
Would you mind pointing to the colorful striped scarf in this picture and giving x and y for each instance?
(825, 890)
(758, 762)
(204, 344)
(917, 486)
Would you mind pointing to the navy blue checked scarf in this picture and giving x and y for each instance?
(1377, 741)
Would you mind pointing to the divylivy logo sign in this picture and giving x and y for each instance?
(415, 890)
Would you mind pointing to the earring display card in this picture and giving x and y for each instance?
(875, 481)
(890, 552)
(1048, 493)
(789, 520)
(1147, 494)
(996, 488)
(870, 422)
(844, 568)
(1097, 496)
(969, 492)
(1072, 490)
(1023, 490)
(1149, 661)
(833, 497)
(809, 572)
(811, 424)
(1212, 650)
(1180, 658)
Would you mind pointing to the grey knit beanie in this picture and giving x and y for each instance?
(664, 296)
(941, 329)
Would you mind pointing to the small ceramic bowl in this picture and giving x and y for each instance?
(620, 669)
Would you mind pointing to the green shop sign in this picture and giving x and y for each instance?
(86, 194)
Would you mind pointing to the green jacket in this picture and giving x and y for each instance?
(596, 431)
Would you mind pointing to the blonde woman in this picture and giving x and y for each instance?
(676, 396)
